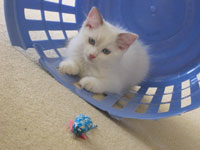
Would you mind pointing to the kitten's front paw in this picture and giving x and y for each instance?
(68, 67)
(91, 84)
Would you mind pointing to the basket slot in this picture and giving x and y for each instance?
(186, 102)
(147, 99)
(142, 108)
(51, 54)
(198, 78)
(127, 96)
(55, 35)
(68, 17)
(32, 14)
(169, 89)
(185, 84)
(37, 35)
(136, 88)
(69, 2)
(53, 1)
(51, 16)
(199, 84)
(71, 33)
(62, 50)
(99, 97)
(120, 104)
(151, 91)
(46, 44)
(166, 98)
(164, 108)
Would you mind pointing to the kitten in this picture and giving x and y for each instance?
(107, 58)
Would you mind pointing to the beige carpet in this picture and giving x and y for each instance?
(35, 111)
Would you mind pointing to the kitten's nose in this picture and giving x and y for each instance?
(92, 56)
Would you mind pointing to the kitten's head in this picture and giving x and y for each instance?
(103, 43)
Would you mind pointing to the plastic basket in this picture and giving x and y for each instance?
(171, 28)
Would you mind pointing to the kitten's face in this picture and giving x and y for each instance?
(100, 45)
(102, 42)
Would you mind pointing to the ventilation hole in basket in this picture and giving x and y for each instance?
(62, 51)
(69, 18)
(68, 2)
(142, 108)
(185, 84)
(185, 92)
(164, 108)
(51, 16)
(71, 33)
(76, 84)
(37, 35)
(120, 104)
(32, 14)
(55, 35)
(186, 102)
(169, 89)
(127, 96)
(135, 89)
(151, 91)
(50, 53)
(54, 1)
(147, 99)
(166, 98)
(198, 76)
(99, 97)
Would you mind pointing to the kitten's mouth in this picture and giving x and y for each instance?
(90, 58)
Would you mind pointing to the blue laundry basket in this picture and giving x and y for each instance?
(170, 27)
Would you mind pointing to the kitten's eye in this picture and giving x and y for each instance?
(91, 41)
(106, 51)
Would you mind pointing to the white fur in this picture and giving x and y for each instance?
(114, 73)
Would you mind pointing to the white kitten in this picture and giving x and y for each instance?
(107, 58)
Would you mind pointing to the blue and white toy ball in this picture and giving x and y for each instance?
(82, 124)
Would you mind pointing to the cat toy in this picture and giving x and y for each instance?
(81, 125)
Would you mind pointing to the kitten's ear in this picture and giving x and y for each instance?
(124, 40)
(94, 19)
